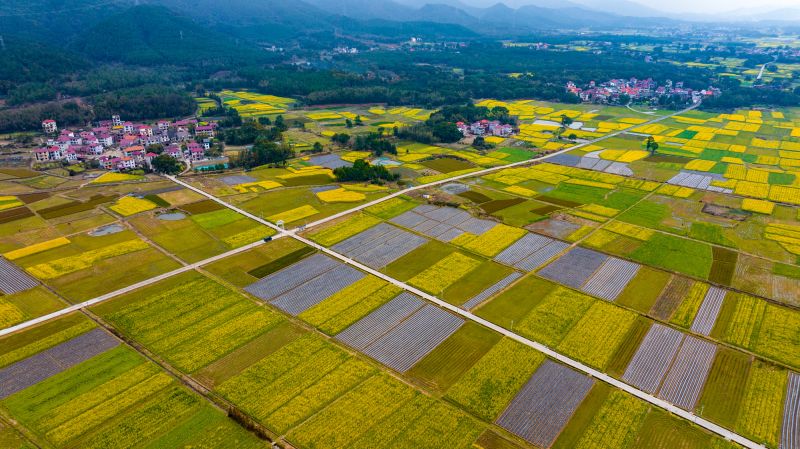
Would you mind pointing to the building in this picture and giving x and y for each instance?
(50, 126)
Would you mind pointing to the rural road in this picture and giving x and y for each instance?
(454, 309)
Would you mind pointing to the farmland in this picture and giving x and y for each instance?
(608, 255)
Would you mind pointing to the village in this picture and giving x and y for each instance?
(620, 91)
(119, 145)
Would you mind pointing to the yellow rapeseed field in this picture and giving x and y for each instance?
(128, 205)
(36, 248)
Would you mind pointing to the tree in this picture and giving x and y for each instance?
(317, 148)
(447, 132)
(341, 138)
(348, 123)
(651, 145)
(363, 171)
(358, 121)
(164, 163)
(280, 124)
(565, 121)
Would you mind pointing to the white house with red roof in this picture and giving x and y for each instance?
(49, 126)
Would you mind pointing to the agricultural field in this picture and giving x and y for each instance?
(612, 256)
(189, 320)
(99, 393)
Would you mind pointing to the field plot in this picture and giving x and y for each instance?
(380, 245)
(13, 280)
(491, 291)
(688, 373)
(316, 394)
(724, 390)
(91, 265)
(760, 416)
(202, 234)
(545, 404)
(616, 423)
(189, 319)
(530, 252)
(115, 400)
(373, 326)
(445, 364)
(314, 291)
(553, 315)
(653, 359)
(707, 315)
(350, 304)
(442, 223)
(394, 421)
(669, 299)
(444, 273)
(596, 336)
(341, 230)
(575, 267)
(611, 278)
(407, 343)
(790, 429)
(50, 362)
(291, 277)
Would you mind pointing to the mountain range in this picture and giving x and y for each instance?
(131, 30)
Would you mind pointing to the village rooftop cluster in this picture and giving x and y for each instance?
(485, 128)
(635, 89)
(118, 145)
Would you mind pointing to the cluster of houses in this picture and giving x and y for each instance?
(612, 90)
(118, 145)
(485, 128)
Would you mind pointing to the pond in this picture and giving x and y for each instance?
(107, 230)
(172, 216)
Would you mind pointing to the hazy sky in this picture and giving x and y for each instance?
(717, 5)
(696, 6)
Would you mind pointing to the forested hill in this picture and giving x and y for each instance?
(156, 35)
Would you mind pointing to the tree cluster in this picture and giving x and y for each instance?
(363, 171)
